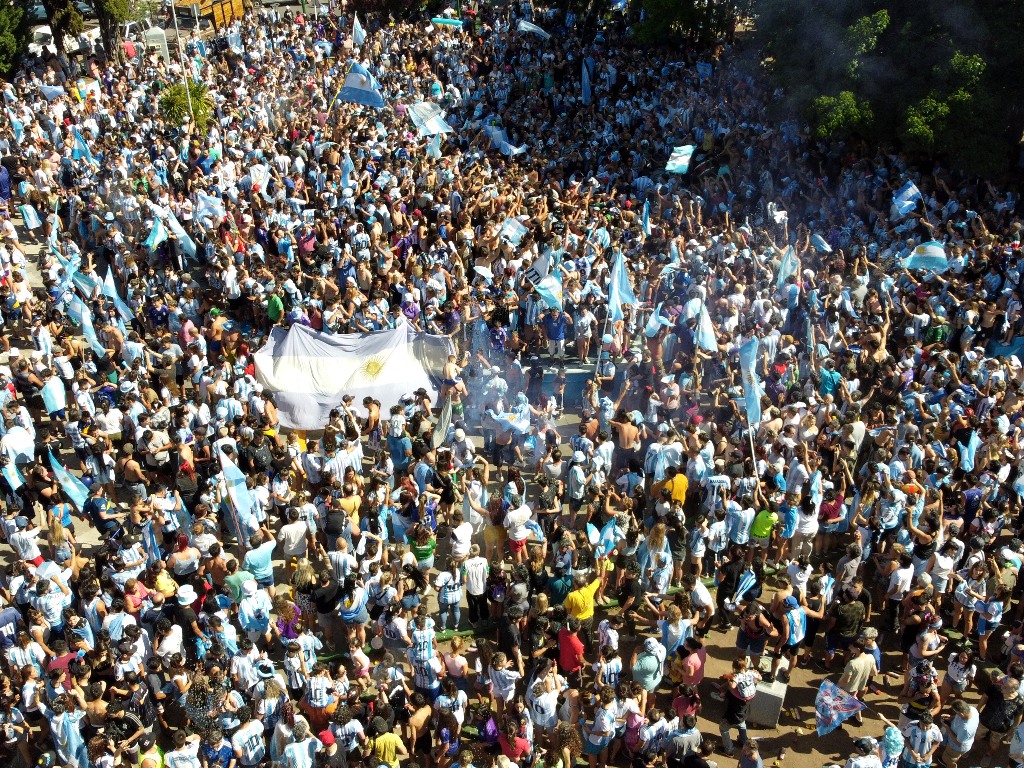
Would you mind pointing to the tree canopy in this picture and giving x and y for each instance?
(13, 33)
(938, 76)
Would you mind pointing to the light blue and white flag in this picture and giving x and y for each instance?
(151, 543)
(434, 147)
(17, 126)
(73, 488)
(185, 243)
(208, 206)
(12, 475)
(706, 338)
(820, 244)
(525, 26)
(234, 40)
(79, 149)
(679, 161)
(428, 118)
(347, 169)
(967, 452)
(109, 290)
(930, 255)
(751, 386)
(646, 219)
(442, 21)
(704, 70)
(51, 92)
(550, 290)
(81, 314)
(513, 230)
(360, 87)
(620, 292)
(585, 94)
(833, 706)
(240, 502)
(788, 266)
(905, 200)
(358, 33)
(656, 322)
(157, 235)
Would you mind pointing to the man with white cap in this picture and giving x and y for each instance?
(186, 618)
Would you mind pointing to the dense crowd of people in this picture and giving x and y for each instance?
(620, 488)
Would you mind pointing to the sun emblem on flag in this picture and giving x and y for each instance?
(373, 367)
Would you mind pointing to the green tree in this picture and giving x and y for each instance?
(694, 21)
(935, 77)
(174, 105)
(64, 20)
(112, 14)
(13, 35)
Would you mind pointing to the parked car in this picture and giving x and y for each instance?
(42, 40)
(188, 18)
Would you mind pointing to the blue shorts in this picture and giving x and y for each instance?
(752, 645)
(985, 626)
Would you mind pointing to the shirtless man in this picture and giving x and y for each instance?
(627, 433)
(453, 386)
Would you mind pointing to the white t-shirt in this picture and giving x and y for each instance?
(476, 575)
(462, 538)
(293, 537)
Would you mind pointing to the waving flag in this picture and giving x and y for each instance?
(151, 543)
(747, 582)
(656, 322)
(157, 235)
(441, 21)
(428, 118)
(525, 26)
(704, 70)
(646, 219)
(550, 290)
(51, 92)
(513, 230)
(968, 451)
(79, 149)
(434, 147)
(210, 207)
(16, 125)
(833, 706)
(358, 33)
(12, 475)
(360, 87)
(751, 387)
(820, 244)
(788, 266)
(185, 243)
(679, 161)
(109, 290)
(585, 93)
(347, 169)
(905, 200)
(620, 292)
(240, 504)
(82, 315)
(930, 255)
(73, 488)
(706, 339)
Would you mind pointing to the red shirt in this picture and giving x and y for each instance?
(514, 749)
(570, 648)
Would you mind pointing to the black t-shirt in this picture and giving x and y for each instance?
(509, 637)
(631, 588)
(730, 579)
(326, 597)
(184, 617)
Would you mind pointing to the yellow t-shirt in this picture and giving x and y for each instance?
(385, 748)
(580, 602)
(679, 485)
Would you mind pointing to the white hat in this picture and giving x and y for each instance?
(249, 587)
(187, 595)
(460, 435)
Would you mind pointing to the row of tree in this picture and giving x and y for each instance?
(937, 77)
